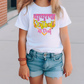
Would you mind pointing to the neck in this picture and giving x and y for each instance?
(42, 3)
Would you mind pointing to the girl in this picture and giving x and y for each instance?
(43, 35)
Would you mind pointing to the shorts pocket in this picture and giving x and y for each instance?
(29, 57)
(57, 57)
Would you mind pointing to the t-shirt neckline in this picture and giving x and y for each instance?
(41, 8)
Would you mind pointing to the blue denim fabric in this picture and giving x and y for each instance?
(49, 64)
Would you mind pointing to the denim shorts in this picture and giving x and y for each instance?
(49, 64)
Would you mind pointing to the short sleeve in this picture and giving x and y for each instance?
(65, 21)
(22, 20)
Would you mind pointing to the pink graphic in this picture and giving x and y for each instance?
(37, 16)
(43, 24)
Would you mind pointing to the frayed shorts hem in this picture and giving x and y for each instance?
(36, 73)
(56, 74)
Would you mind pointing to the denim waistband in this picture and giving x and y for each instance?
(41, 54)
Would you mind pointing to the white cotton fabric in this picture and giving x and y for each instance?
(39, 37)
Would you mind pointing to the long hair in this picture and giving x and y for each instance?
(55, 4)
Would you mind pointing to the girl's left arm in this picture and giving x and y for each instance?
(67, 50)
(66, 43)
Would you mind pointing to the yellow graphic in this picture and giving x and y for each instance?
(43, 24)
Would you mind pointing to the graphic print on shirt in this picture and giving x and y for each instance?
(44, 23)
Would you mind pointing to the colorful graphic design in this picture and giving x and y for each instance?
(40, 21)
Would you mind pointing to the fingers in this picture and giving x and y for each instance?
(67, 74)
(64, 72)
(24, 77)
(28, 74)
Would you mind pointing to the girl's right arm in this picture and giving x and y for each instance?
(23, 70)
(22, 45)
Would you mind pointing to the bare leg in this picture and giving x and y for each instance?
(36, 80)
(50, 80)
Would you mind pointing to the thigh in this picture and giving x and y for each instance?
(50, 80)
(55, 70)
(35, 69)
(36, 80)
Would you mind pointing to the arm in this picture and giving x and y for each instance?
(23, 70)
(67, 50)
(22, 44)
(66, 43)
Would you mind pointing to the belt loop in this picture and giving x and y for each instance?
(34, 53)
(31, 51)
(45, 57)
(51, 54)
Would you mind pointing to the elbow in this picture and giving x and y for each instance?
(21, 40)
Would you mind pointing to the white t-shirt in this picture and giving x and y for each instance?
(43, 28)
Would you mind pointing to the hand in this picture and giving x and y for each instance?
(67, 68)
(24, 72)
